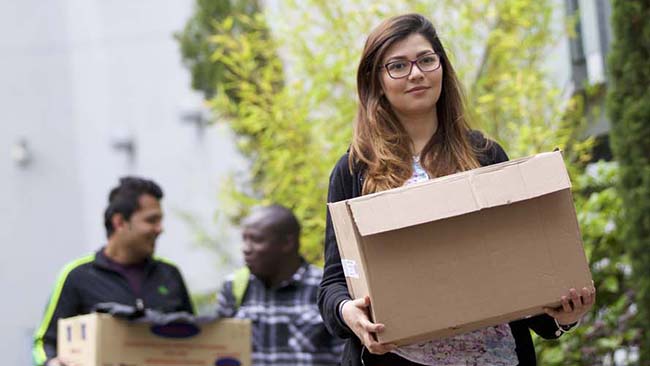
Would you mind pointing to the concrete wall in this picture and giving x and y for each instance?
(76, 77)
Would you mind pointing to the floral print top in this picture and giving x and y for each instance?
(489, 346)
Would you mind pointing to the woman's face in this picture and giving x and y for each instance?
(418, 92)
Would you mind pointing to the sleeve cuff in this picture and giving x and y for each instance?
(339, 314)
(568, 328)
(340, 310)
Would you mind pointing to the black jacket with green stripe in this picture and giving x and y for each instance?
(89, 280)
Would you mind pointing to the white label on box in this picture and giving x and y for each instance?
(350, 268)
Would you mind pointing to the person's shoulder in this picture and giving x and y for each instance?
(476, 137)
(76, 270)
(239, 277)
(346, 169)
(343, 163)
(165, 262)
(164, 266)
(488, 150)
(479, 140)
(79, 264)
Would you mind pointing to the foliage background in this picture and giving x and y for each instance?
(283, 79)
(629, 111)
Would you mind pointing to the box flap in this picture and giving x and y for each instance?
(460, 193)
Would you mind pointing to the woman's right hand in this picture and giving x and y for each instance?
(355, 315)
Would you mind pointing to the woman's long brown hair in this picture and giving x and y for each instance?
(380, 144)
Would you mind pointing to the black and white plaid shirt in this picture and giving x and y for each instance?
(287, 326)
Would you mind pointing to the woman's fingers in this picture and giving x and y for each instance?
(356, 314)
(566, 306)
(576, 299)
(370, 327)
(374, 346)
(379, 349)
(361, 303)
(588, 295)
(573, 306)
(370, 341)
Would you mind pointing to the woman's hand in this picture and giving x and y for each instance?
(574, 306)
(355, 315)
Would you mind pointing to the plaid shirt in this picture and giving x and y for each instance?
(287, 326)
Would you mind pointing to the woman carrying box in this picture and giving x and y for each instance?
(412, 126)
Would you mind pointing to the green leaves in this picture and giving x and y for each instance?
(287, 89)
(629, 62)
(195, 42)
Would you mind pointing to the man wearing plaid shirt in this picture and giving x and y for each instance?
(278, 293)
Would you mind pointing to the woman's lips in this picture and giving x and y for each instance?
(417, 89)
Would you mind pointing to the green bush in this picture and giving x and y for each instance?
(287, 91)
(629, 111)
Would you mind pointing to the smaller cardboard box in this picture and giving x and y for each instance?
(465, 251)
(102, 340)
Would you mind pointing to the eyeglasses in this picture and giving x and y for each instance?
(402, 68)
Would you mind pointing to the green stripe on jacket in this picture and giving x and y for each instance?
(38, 350)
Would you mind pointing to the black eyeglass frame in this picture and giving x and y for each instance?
(413, 62)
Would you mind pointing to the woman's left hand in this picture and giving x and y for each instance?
(574, 306)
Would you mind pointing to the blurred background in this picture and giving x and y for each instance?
(233, 103)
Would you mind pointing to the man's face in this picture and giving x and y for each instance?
(264, 252)
(140, 232)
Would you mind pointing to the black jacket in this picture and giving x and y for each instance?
(333, 289)
(89, 280)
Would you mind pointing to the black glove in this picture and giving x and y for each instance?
(118, 310)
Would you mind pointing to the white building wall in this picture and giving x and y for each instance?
(75, 77)
(558, 57)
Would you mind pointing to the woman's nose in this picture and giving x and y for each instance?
(416, 73)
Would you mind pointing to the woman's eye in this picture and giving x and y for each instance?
(397, 66)
(427, 60)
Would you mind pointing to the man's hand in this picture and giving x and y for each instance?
(355, 315)
(574, 306)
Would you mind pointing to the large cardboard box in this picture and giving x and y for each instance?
(465, 251)
(101, 340)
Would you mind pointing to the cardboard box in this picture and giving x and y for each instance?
(465, 251)
(101, 340)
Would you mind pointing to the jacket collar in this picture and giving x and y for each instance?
(102, 261)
